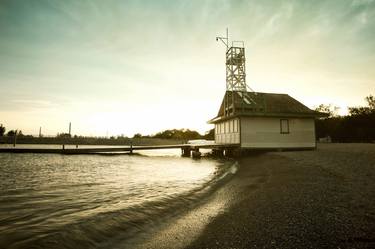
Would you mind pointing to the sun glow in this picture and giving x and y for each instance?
(145, 73)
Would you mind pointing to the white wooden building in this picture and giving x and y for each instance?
(265, 121)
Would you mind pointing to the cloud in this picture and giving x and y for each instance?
(70, 55)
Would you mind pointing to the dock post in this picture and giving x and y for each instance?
(196, 154)
(186, 151)
(237, 152)
(15, 138)
(228, 152)
(217, 152)
(131, 147)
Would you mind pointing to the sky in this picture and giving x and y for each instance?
(124, 67)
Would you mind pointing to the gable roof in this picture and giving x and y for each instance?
(263, 104)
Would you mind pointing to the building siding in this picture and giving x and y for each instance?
(228, 132)
(259, 132)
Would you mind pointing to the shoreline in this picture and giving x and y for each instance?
(301, 199)
(181, 229)
(184, 229)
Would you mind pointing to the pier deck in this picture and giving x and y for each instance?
(95, 150)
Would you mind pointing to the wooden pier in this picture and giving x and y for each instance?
(186, 149)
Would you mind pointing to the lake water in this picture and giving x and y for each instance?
(97, 201)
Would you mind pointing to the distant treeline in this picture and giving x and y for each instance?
(184, 134)
(358, 126)
(165, 137)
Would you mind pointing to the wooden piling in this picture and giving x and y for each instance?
(217, 152)
(15, 138)
(196, 154)
(185, 152)
(228, 152)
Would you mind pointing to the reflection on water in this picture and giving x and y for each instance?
(56, 200)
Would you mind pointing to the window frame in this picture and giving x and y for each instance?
(287, 126)
(235, 126)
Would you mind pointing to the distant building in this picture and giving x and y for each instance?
(265, 121)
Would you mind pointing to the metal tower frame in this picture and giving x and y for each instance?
(235, 73)
(235, 69)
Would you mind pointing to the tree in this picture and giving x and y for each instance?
(63, 135)
(11, 133)
(2, 130)
(331, 110)
(371, 102)
(359, 110)
(137, 135)
(364, 110)
(358, 126)
(178, 134)
(210, 135)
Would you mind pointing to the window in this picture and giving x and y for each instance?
(235, 125)
(284, 126)
(230, 126)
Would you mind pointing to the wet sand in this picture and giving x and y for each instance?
(303, 199)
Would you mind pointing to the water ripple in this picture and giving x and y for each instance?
(55, 201)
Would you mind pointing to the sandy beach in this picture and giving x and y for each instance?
(302, 199)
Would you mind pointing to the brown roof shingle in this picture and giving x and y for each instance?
(263, 104)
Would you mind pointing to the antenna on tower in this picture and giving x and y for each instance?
(224, 40)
